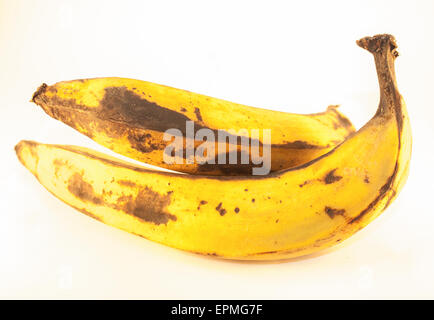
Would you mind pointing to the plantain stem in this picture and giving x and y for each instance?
(383, 47)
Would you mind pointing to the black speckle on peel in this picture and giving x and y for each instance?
(221, 210)
(201, 203)
(331, 177)
(303, 184)
(331, 212)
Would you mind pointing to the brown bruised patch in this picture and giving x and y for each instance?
(127, 183)
(143, 142)
(331, 212)
(221, 210)
(82, 189)
(123, 105)
(148, 205)
(331, 177)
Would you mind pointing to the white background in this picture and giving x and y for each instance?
(290, 56)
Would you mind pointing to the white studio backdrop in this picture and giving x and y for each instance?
(284, 55)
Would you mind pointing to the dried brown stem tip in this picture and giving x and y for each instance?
(377, 43)
(40, 90)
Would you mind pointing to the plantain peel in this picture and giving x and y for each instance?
(131, 116)
(286, 214)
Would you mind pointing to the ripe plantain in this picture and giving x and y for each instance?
(130, 117)
(285, 214)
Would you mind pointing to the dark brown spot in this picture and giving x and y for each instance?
(82, 189)
(220, 209)
(277, 220)
(253, 200)
(198, 115)
(127, 183)
(183, 110)
(201, 203)
(331, 212)
(366, 180)
(237, 210)
(303, 184)
(331, 177)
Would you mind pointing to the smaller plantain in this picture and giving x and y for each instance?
(130, 117)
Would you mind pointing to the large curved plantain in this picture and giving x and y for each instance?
(286, 214)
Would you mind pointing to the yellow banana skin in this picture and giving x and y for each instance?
(130, 117)
(287, 214)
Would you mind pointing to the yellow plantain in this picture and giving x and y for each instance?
(286, 214)
(130, 117)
